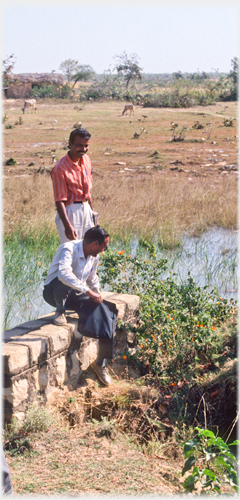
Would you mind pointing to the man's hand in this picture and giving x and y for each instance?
(71, 233)
(96, 297)
(69, 229)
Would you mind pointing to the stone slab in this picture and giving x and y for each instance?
(36, 344)
(16, 358)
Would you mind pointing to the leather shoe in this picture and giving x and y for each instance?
(101, 373)
(59, 319)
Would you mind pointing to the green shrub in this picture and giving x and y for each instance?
(11, 161)
(207, 455)
(177, 322)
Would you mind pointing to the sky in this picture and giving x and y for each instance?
(166, 36)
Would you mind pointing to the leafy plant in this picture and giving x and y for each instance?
(177, 322)
(37, 417)
(207, 455)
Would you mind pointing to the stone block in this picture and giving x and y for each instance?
(16, 358)
(37, 345)
(127, 305)
(61, 371)
(59, 337)
(75, 364)
(41, 378)
(27, 327)
(87, 352)
(17, 392)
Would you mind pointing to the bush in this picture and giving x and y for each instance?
(208, 454)
(177, 322)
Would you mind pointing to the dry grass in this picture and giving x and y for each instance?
(147, 185)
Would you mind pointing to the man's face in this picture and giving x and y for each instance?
(99, 247)
(78, 148)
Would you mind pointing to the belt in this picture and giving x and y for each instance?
(84, 201)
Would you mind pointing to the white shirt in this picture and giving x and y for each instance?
(74, 269)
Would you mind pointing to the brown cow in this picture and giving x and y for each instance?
(130, 108)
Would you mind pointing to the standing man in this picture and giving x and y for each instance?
(72, 283)
(72, 182)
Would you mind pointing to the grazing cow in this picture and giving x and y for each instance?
(29, 103)
(130, 108)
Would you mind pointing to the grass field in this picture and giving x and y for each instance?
(154, 184)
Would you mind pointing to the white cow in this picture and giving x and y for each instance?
(29, 103)
(130, 108)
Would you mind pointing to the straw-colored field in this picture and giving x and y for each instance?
(151, 184)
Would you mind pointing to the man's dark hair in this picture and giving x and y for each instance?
(81, 132)
(96, 233)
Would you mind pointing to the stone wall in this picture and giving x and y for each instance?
(40, 357)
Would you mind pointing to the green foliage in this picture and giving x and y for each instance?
(8, 65)
(11, 161)
(207, 455)
(128, 67)
(69, 67)
(53, 91)
(83, 74)
(25, 268)
(177, 322)
(37, 417)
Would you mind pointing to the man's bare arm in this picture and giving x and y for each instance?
(96, 297)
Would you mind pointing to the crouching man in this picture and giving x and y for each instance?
(72, 283)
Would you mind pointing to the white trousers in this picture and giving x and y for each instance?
(81, 218)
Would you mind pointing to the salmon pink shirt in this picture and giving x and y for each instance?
(72, 182)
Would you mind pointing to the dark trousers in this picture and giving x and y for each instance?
(97, 321)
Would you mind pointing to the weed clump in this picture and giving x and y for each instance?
(11, 160)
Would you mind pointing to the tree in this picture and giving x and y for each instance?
(84, 73)
(68, 67)
(128, 67)
(235, 68)
(178, 75)
(8, 65)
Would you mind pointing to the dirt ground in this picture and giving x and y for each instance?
(101, 441)
(208, 147)
(181, 162)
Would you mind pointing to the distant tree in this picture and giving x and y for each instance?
(235, 69)
(128, 67)
(69, 67)
(178, 75)
(84, 73)
(8, 65)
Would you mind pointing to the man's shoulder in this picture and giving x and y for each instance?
(61, 164)
(73, 245)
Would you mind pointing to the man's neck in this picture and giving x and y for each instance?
(85, 250)
(74, 160)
